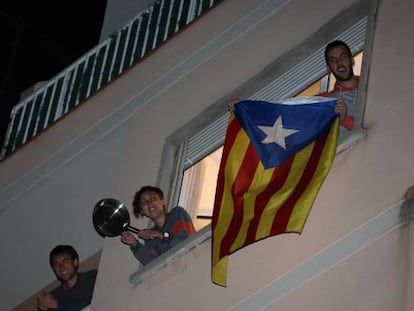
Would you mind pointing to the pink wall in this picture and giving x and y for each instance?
(366, 180)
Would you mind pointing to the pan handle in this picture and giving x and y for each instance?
(135, 230)
(132, 229)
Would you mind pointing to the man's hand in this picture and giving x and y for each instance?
(341, 108)
(231, 104)
(128, 239)
(149, 234)
(46, 301)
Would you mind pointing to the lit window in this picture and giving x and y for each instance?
(200, 180)
(191, 161)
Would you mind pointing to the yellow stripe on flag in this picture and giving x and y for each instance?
(303, 206)
(280, 197)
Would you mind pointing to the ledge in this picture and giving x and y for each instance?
(172, 255)
(204, 234)
(350, 139)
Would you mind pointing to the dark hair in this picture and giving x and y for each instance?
(334, 44)
(63, 249)
(137, 199)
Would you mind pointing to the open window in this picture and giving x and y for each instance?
(197, 157)
(199, 180)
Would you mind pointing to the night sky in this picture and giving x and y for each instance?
(38, 40)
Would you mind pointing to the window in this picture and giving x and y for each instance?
(199, 187)
(328, 81)
(197, 158)
(199, 181)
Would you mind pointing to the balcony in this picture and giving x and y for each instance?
(97, 68)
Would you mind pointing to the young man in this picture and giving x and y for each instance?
(169, 228)
(76, 289)
(339, 62)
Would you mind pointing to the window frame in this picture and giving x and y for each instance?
(183, 149)
(298, 69)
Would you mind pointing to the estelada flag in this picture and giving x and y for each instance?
(275, 159)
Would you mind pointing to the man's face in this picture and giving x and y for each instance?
(151, 204)
(65, 267)
(340, 63)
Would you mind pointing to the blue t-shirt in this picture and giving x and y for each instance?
(178, 224)
(79, 296)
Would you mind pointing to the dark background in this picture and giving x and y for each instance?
(38, 40)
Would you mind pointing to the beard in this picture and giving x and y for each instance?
(343, 76)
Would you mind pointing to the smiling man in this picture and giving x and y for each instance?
(169, 228)
(339, 62)
(76, 288)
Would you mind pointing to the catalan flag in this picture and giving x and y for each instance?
(275, 159)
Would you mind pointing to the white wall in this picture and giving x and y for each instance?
(49, 187)
(363, 181)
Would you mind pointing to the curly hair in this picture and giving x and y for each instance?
(136, 203)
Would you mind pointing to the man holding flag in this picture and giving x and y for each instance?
(275, 159)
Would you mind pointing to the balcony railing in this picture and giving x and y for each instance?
(147, 31)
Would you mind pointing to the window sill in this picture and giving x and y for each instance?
(169, 257)
(349, 139)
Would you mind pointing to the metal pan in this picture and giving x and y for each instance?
(111, 218)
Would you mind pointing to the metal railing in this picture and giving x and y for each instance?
(91, 72)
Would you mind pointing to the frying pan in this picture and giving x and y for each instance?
(111, 218)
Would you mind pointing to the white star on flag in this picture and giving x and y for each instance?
(277, 133)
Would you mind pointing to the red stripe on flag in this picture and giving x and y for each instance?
(232, 130)
(282, 217)
(240, 186)
(277, 181)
